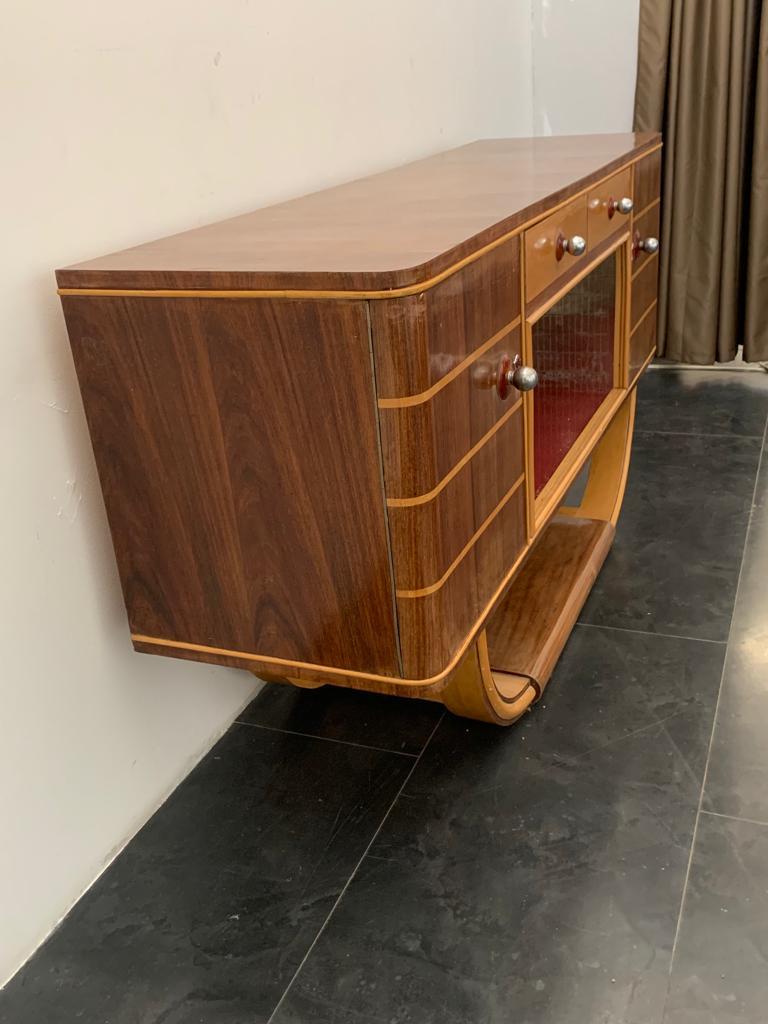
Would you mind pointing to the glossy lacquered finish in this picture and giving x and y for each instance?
(315, 424)
(223, 442)
(390, 230)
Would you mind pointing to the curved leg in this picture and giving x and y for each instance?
(475, 691)
(608, 469)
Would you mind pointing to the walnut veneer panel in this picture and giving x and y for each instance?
(645, 226)
(545, 261)
(422, 443)
(237, 448)
(389, 230)
(419, 339)
(644, 287)
(647, 180)
(603, 218)
(428, 537)
(432, 627)
(642, 342)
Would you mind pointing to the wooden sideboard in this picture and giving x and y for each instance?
(317, 453)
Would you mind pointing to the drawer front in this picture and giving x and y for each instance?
(644, 226)
(419, 339)
(603, 216)
(433, 626)
(545, 260)
(647, 181)
(429, 536)
(642, 342)
(644, 285)
(423, 442)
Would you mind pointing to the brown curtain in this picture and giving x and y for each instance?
(702, 80)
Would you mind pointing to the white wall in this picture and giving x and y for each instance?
(121, 122)
(584, 61)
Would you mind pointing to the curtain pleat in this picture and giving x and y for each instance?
(699, 82)
(756, 277)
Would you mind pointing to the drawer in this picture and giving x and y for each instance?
(647, 181)
(433, 626)
(423, 442)
(603, 216)
(428, 536)
(545, 258)
(644, 285)
(419, 339)
(642, 342)
(644, 226)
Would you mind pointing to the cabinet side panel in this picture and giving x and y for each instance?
(237, 449)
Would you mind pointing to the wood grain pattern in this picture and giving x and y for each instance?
(528, 630)
(647, 180)
(643, 289)
(426, 538)
(431, 628)
(542, 266)
(419, 339)
(421, 444)
(389, 230)
(603, 220)
(645, 226)
(642, 342)
(225, 434)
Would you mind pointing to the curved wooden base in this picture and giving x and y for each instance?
(507, 667)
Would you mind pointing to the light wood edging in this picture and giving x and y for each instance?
(285, 664)
(645, 209)
(426, 591)
(641, 268)
(534, 313)
(326, 670)
(424, 396)
(644, 315)
(340, 293)
(422, 499)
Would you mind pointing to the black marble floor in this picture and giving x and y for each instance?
(340, 858)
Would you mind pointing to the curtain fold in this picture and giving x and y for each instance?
(702, 81)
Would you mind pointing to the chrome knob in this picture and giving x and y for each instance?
(623, 205)
(649, 245)
(524, 378)
(575, 246)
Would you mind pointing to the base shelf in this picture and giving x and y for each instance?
(528, 630)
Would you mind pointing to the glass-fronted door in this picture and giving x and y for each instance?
(574, 353)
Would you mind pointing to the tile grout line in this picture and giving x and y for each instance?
(356, 868)
(696, 433)
(645, 632)
(735, 817)
(717, 706)
(325, 739)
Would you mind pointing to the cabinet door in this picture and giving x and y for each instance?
(574, 347)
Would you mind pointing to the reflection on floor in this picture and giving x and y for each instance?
(351, 859)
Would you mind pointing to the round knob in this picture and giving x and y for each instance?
(575, 246)
(524, 378)
(649, 245)
(623, 205)
(512, 373)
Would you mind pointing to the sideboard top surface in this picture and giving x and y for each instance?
(389, 230)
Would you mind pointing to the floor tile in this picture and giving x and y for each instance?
(333, 712)
(207, 913)
(720, 972)
(737, 779)
(675, 562)
(703, 401)
(534, 874)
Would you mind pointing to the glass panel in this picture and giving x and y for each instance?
(573, 354)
